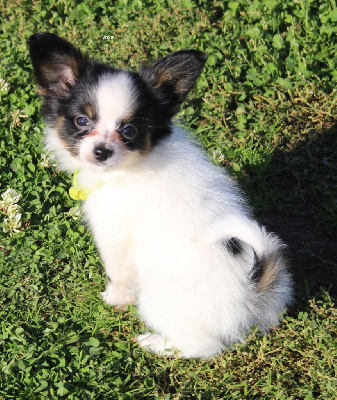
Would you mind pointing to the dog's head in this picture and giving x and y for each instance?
(105, 116)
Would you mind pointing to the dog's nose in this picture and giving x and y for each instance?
(102, 152)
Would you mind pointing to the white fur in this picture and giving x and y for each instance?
(116, 97)
(158, 225)
(56, 148)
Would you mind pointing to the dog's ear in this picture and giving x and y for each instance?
(56, 63)
(172, 77)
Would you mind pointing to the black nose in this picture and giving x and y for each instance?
(102, 152)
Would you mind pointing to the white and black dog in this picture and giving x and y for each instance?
(173, 231)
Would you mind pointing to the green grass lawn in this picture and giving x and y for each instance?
(264, 108)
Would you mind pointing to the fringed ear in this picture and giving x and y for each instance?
(56, 63)
(172, 77)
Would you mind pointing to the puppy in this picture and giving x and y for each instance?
(172, 229)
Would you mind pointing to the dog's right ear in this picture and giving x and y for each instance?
(56, 63)
(172, 77)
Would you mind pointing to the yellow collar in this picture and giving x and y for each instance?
(78, 192)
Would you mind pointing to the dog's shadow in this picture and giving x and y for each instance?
(302, 182)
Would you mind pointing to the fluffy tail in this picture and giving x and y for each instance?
(269, 269)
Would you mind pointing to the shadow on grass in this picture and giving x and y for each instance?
(301, 183)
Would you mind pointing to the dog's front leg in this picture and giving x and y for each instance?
(120, 270)
(114, 239)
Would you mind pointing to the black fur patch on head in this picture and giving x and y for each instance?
(148, 116)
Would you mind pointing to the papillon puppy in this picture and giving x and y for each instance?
(173, 230)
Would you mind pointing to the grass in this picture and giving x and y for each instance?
(264, 109)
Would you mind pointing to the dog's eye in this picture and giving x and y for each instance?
(129, 132)
(82, 121)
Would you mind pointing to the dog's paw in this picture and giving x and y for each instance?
(189, 347)
(115, 297)
(157, 344)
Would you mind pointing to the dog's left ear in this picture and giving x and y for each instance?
(56, 63)
(172, 77)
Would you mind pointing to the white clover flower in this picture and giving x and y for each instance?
(13, 209)
(4, 86)
(218, 156)
(75, 212)
(45, 162)
(12, 223)
(8, 204)
(9, 197)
